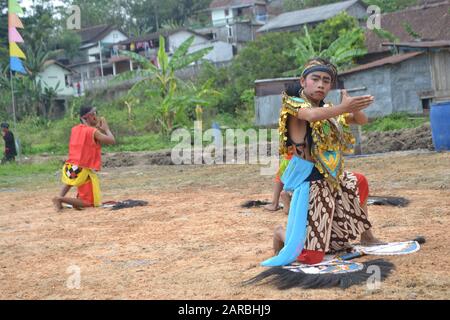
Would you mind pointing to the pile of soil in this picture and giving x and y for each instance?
(130, 159)
(372, 142)
(397, 140)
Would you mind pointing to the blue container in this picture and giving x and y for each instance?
(440, 125)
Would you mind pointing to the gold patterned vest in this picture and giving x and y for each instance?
(331, 138)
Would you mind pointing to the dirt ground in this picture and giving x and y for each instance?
(194, 241)
(397, 140)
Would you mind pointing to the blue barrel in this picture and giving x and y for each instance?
(440, 125)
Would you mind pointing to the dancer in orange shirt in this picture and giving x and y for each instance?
(84, 159)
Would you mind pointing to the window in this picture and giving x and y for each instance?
(227, 12)
(426, 105)
(230, 31)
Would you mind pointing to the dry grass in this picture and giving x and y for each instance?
(194, 241)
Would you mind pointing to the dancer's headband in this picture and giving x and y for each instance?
(85, 111)
(316, 66)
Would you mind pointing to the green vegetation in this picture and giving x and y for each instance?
(395, 121)
(17, 175)
(135, 130)
(16, 170)
(144, 118)
(162, 92)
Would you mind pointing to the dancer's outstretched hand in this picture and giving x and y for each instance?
(353, 104)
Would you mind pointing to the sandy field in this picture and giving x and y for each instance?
(194, 241)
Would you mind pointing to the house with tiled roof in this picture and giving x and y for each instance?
(95, 51)
(408, 81)
(295, 20)
(222, 52)
(429, 21)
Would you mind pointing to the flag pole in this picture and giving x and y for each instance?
(13, 99)
(15, 53)
(17, 141)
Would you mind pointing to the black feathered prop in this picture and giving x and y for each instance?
(129, 204)
(387, 201)
(254, 203)
(372, 200)
(284, 278)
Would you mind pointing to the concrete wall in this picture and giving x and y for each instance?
(221, 52)
(408, 79)
(396, 88)
(378, 83)
(267, 110)
(176, 39)
(244, 32)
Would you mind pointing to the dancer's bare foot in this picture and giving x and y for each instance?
(368, 239)
(57, 203)
(272, 207)
(286, 199)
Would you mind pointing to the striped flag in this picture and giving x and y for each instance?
(14, 23)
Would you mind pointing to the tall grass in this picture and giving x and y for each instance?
(14, 174)
(395, 121)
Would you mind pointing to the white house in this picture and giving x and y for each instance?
(236, 21)
(57, 77)
(95, 53)
(225, 12)
(148, 45)
(221, 52)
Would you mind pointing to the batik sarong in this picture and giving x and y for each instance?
(335, 216)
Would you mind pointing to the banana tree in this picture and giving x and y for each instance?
(48, 97)
(341, 52)
(162, 89)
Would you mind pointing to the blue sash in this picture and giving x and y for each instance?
(294, 178)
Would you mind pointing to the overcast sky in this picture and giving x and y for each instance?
(27, 3)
